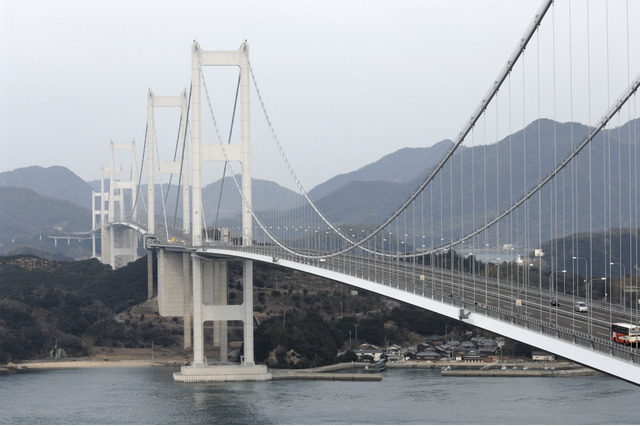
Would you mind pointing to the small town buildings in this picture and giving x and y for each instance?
(435, 340)
(474, 350)
(542, 356)
(395, 354)
(369, 352)
(428, 356)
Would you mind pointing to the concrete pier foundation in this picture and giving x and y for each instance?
(223, 373)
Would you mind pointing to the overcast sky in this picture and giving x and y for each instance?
(345, 82)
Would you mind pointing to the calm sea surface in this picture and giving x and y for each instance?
(148, 395)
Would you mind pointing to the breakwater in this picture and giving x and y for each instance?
(328, 372)
(518, 373)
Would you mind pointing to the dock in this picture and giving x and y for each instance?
(519, 373)
(328, 372)
(301, 375)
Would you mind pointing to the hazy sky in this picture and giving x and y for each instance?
(345, 82)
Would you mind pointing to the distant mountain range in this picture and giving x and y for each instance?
(56, 182)
(403, 166)
(36, 200)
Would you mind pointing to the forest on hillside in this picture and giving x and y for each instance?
(82, 305)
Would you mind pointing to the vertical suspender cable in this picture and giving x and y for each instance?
(539, 159)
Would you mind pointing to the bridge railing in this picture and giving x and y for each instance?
(415, 278)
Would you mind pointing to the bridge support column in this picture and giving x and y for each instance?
(149, 274)
(119, 245)
(247, 291)
(105, 245)
(170, 284)
(210, 304)
(198, 323)
(220, 290)
(186, 285)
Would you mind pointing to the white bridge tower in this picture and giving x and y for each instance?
(210, 275)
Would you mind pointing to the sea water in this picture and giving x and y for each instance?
(148, 395)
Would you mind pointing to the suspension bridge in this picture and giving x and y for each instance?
(541, 183)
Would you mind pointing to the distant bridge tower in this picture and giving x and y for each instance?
(210, 304)
(174, 285)
(177, 167)
(98, 214)
(119, 243)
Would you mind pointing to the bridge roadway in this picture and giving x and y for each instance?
(483, 302)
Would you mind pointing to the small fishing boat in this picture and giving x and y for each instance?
(376, 368)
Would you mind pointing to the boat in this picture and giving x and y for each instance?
(376, 368)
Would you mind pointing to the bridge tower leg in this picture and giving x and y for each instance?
(220, 297)
(149, 274)
(247, 291)
(186, 283)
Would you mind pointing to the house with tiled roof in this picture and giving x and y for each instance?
(369, 352)
(428, 356)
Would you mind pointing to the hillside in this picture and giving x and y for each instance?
(88, 308)
(29, 218)
(56, 182)
(402, 166)
(535, 150)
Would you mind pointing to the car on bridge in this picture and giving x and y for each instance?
(554, 302)
(581, 307)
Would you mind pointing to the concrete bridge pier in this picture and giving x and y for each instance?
(210, 304)
(119, 245)
(171, 292)
(150, 293)
(215, 292)
(186, 284)
(174, 287)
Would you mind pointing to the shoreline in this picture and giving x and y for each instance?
(329, 372)
(27, 366)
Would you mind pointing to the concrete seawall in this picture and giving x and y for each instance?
(301, 375)
(519, 373)
(327, 372)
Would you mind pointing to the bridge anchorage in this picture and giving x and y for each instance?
(410, 256)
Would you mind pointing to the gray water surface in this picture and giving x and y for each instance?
(148, 395)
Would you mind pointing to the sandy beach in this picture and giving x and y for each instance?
(92, 363)
(105, 357)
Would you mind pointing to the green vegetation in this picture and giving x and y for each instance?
(75, 304)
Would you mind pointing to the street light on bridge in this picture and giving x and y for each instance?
(624, 275)
(590, 287)
(589, 299)
(552, 280)
(586, 267)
